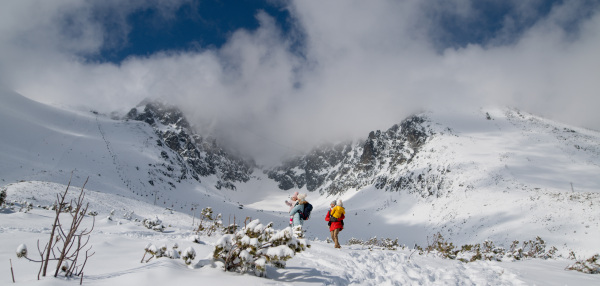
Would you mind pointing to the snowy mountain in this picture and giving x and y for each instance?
(203, 155)
(390, 160)
(492, 174)
(335, 169)
(128, 158)
(498, 174)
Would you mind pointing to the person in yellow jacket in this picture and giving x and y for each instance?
(336, 224)
(338, 210)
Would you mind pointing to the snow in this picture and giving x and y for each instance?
(510, 178)
(120, 247)
(22, 250)
(280, 251)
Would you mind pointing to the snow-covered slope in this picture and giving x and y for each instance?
(122, 157)
(497, 174)
(119, 244)
(46, 143)
(512, 175)
(501, 174)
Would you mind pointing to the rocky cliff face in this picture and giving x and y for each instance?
(382, 159)
(198, 156)
(420, 155)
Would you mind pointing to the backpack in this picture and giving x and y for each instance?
(306, 213)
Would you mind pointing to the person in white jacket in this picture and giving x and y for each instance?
(295, 212)
(292, 203)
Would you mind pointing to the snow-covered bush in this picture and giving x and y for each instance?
(209, 225)
(22, 251)
(372, 243)
(231, 229)
(530, 249)
(439, 246)
(589, 266)
(488, 251)
(298, 231)
(188, 255)
(195, 239)
(147, 250)
(128, 215)
(254, 246)
(2, 196)
(174, 253)
(161, 251)
(110, 216)
(25, 206)
(154, 224)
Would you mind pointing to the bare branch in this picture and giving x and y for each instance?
(60, 200)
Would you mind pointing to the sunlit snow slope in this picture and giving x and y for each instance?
(44, 143)
(497, 174)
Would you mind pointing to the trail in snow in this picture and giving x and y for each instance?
(115, 159)
(354, 265)
(119, 244)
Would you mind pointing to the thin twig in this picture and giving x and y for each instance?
(412, 254)
(11, 271)
(60, 200)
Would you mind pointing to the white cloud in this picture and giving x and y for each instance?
(362, 66)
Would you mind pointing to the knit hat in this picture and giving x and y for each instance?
(339, 203)
(301, 197)
(295, 196)
(332, 203)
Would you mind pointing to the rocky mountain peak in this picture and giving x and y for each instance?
(333, 169)
(199, 156)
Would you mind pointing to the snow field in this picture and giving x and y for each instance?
(509, 179)
(119, 245)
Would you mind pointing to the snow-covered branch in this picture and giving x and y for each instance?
(255, 245)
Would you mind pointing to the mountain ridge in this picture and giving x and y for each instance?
(498, 174)
(204, 156)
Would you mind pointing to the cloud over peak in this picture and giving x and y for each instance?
(341, 69)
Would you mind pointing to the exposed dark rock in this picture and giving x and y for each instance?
(334, 169)
(382, 160)
(197, 156)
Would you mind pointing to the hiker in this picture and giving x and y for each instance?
(331, 206)
(295, 212)
(292, 203)
(335, 217)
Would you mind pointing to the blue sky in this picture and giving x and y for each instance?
(195, 25)
(267, 74)
(208, 24)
